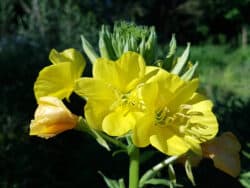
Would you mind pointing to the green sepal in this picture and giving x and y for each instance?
(181, 61)
(150, 47)
(89, 50)
(105, 44)
(170, 58)
(188, 75)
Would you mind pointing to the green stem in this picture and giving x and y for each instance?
(134, 167)
(113, 141)
(151, 172)
(84, 127)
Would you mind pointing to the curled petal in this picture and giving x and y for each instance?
(51, 118)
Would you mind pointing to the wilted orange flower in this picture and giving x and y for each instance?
(51, 118)
(224, 151)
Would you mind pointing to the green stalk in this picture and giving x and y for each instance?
(113, 141)
(134, 167)
(152, 172)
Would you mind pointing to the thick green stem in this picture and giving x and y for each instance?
(134, 168)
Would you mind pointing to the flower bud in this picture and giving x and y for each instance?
(51, 118)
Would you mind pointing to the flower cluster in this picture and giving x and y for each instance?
(129, 96)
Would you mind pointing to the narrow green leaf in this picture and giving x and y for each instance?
(188, 75)
(89, 50)
(100, 140)
(170, 58)
(188, 169)
(111, 183)
(172, 47)
(181, 61)
(158, 181)
(171, 173)
(105, 44)
(121, 183)
(83, 126)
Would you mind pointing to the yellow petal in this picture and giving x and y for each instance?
(169, 143)
(166, 79)
(94, 89)
(183, 94)
(71, 56)
(143, 131)
(208, 124)
(149, 94)
(124, 74)
(194, 145)
(118, 123)
(51, 118)
(224, 151)
(95, 111)
(58, 79)
(202, 106)
(54, 80)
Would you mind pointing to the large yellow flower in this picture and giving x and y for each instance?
(112, 97)
(58, 79)
(51, 118)
(176, 117)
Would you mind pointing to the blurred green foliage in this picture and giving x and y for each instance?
(30, 28)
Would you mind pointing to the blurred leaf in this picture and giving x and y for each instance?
(188, 75)
(181, 61)
(89, 50)
(158, 181)
(83, 126)
(188, 169)
(245, 179)
(171, 173)
(111, 183)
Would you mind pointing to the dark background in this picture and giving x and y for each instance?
(218, 31)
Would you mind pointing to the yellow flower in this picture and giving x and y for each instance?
(51, 118)
(176, 118)
(224, 151)
(58, 79)
(112, 98)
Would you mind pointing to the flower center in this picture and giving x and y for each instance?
(132, 101)
(161, 116)
(129, 101)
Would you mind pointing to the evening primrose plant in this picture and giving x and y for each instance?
(134, 100)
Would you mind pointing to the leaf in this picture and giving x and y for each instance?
(83, 126)
(171, 173)
(169, 61)
(188, 169)
(111, 183)
(188, 75)
(158, 181)
(89, 50)
(181, 61)
(105, 45)
(245, 179)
